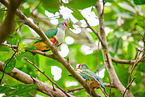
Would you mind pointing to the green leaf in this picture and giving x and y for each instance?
(5, 89)
(77, 15)
(109, 0)
(10, 66)
(36, 58)
(70, 23)
(140, 21)
(138, 78)
(27, 55)
(32, 47)
(17, 89)
(81, 4)
(51, 5)
(139, 2)
(131, 50)
(123, 76)
(141, 67)
(25, 29)
(22, 88)
(139, 94)
(13, 39)
(4, 48)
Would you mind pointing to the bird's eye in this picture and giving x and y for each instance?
(82, 65)
(62, 24)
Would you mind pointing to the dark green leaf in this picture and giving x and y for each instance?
(10, 66)
(109, 0)
(139, 94)
(5, 89)
(139, 2)
(21, 88)
(17, 89)
(141, 67)
(138, 78)
(4, 48)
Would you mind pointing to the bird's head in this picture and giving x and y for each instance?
(82, 66)
(62, 25)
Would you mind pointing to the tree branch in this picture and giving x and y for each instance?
(8, 24)
(134, 65)
(25, 78)
(106, 55)
(123, 61)
(47, 77)
(128, 86)
(79, 88)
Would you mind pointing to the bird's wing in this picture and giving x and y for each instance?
(49, 33)
(91, 78)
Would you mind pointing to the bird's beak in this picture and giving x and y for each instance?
(77, 68)
(67, 25)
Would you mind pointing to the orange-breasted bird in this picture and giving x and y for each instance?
(94, 80)
(55, 35)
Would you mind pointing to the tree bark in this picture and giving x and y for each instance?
(106, 55)
(27, 79)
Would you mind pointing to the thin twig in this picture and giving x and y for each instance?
(47, 77)
(110, 86)
(31, 94)
(134, 67)
(97, 59)
(97, 34)
(128, 86)
(75, 89)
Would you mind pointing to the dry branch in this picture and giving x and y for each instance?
(27, 79)
(106, 55)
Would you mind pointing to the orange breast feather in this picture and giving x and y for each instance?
(53, 40)
(93, 84)
(41, 46)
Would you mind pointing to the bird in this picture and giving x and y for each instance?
(55, 35)
(91, 77)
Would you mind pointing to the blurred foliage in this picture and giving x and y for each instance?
(125, 18)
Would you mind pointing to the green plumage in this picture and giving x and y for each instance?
(49, 33)
(90, 76)
(87, 74)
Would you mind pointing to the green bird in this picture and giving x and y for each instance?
(91, 77)
(55, 35)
